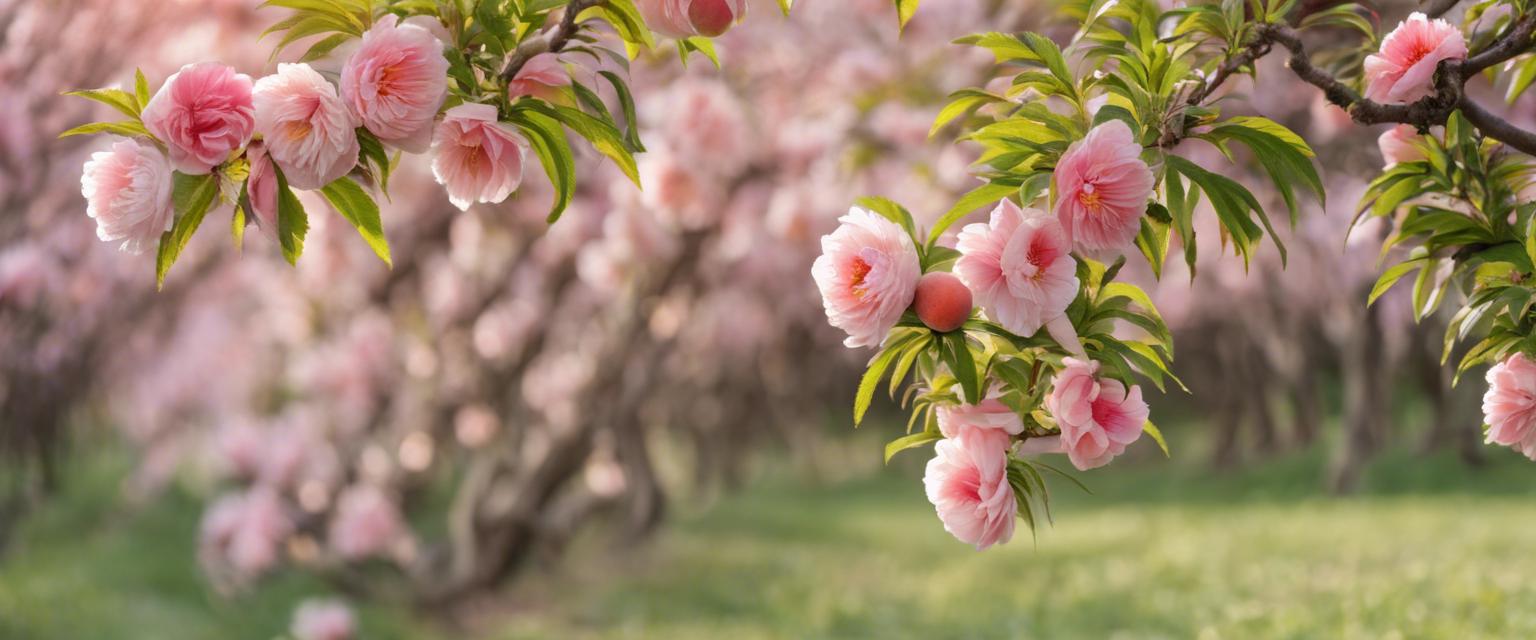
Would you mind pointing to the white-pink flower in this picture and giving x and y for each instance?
(967, 482)
(1019, 267)
(1097, 416)
(1404, 70)
(1102, 187)
(1401, 143)
(366, 522)
(988, 415)
(537, 76)
(127, 190)
(475, 157)
(317, 619)
(307, 129)
(1509, 406)
(202, 113)
(395, 82)
(687, 18)
(246, 531)
(867, 273)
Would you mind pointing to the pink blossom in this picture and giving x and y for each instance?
(1102, 188)
(202, 113)
(990, 414)
(867, 273)
(1019, 267)
(1097, 416)
(537, 76)
(1509, 406)
(366, 522)
(687, 18)
(1401, 143)
(261, 188)
(307, 129)
(967, 482)
(476, 158)
(1404, 70)
(127, 190)
(395, 83)
(246, 531)
(323, 620)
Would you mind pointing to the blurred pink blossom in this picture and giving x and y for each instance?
(967, 482)
(127, 190)
(366, 522)
(476, 158)
(1401, 143)
(1509, 406)
(867, 274)
(323, 620)
(1404, 69)
(307, 129)
(1102, 187)
(1019, 266)
(202, 113)
(395, 82)
(245, 531)
(1097, 416)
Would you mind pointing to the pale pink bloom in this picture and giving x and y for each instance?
(537, 76)
(707, 126)
(1401, 143)
(1019, 266)
(202, 113)
(306, 127)
(1509, 406)
(246, 531)
(1037, 446)
(127, 190)
(261, 188)
(687, 18)
(476, 158)
(867, 273)
(967, 482)
(988, 415)
(1102, 188)
(1404, 69)
(395, 83)
(323, 620)
(366, 522)
(1097, 416)
(240, 448)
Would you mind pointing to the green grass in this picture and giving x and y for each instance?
(1162, 550)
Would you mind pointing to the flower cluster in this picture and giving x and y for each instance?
(1021, 270)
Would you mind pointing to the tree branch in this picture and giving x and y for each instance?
(550, 41)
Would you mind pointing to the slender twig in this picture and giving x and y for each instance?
(550, 41)
(1437, 8)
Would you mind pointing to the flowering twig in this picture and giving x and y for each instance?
(552, 40)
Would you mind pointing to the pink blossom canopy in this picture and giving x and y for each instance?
(1102, 187)
(1018, 266)
(867, 273)
(1404, 70)
(202, 113)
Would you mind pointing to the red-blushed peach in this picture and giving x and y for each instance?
(942, 302)
(711, 17)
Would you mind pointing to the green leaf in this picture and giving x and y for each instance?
(1391, 276)
(875, 372)
(192, 196)
(963, 366)
(627, 105)
(976, 198)
(904, 11)
(140, 88)
(353, 203)
(128, 128)
(907, 442)
(785, 5)
(118, 99)
(891, 211)
(292, 221)
(547, 138)
(1157, 436)
(605, 138)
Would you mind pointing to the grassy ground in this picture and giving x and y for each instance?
(1163, 550)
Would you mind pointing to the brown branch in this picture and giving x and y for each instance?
(550, 41)
(1437, 8)
(1449, 95)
